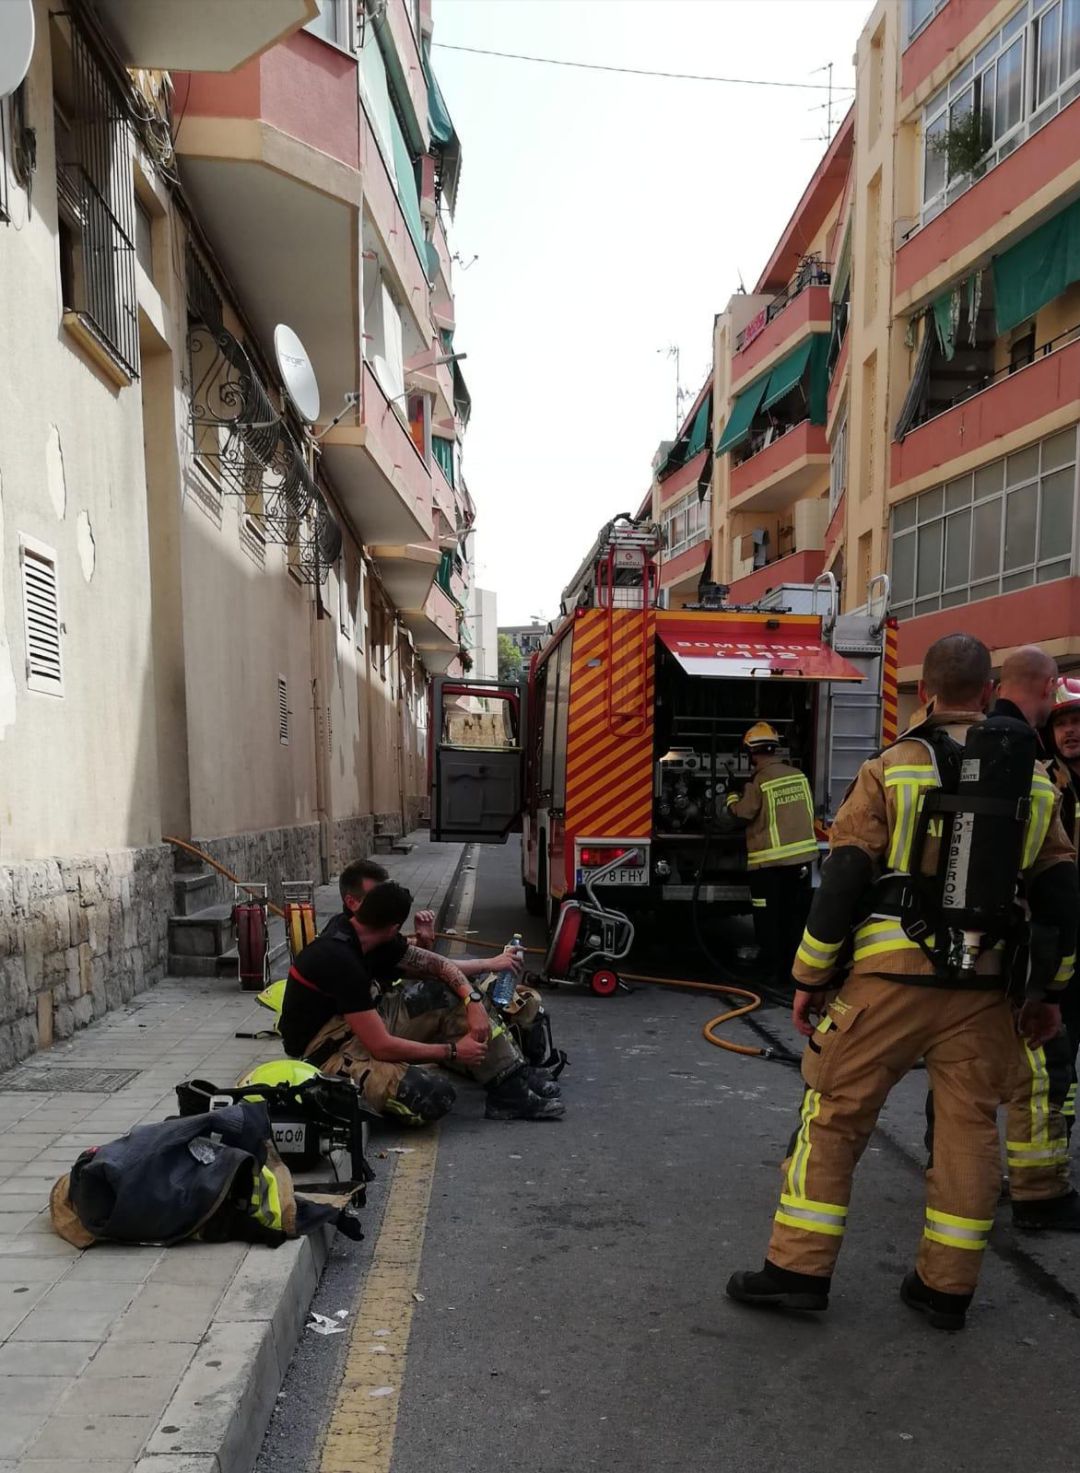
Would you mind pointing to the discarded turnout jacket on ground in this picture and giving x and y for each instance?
(214, 1177)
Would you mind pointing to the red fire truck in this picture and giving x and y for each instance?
(627, 734)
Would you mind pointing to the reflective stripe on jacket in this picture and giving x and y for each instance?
(778, 809)
(879, 816)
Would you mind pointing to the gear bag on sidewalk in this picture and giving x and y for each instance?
(214, 1177)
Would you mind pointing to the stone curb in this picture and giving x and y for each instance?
(219, 1412)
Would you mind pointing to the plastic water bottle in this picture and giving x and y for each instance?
(502, 992)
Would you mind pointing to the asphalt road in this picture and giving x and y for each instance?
(573, 1312)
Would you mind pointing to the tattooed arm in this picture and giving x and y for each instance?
(419, 963)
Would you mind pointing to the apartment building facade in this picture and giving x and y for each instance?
(969, 128)
(780, 379)
(900, 394)
(221, 606)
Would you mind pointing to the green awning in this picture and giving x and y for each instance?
(692, 441)
(439, 121)
(818, 395)
(1037, 269)
(407, 193)
(742, 415)
(443, 452)
(946, 314)
(787, 373)
(699, 430)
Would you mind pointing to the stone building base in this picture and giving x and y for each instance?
(78, 937)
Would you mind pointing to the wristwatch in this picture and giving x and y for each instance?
(475, 996)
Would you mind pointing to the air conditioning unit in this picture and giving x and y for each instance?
(810, 518)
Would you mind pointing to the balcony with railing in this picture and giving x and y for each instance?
(435, 630)
(775, 431)
(793, 567)
(802, 308)
(198, 35)
(276, 185)
(1040, 382)
(781, 467)
(380, 476)
(1000, 144)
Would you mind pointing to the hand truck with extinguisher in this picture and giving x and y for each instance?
(298, 899)
(588, 938)
(250, 923)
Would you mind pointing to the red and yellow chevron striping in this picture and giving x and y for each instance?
(889, 712)
(609, 747)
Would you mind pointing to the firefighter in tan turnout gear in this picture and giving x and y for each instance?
(911, 993)
(1043, 1107)
(776, 808)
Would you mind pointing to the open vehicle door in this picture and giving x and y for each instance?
(476, 759)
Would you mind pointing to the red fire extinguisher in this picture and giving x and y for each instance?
(252, 936)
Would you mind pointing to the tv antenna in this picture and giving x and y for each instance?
(297, 374)
(681, 394)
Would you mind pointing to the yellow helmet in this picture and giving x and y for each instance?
(761, 734)
(273, 997)
(279, 1071)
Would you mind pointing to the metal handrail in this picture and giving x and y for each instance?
(828, 582)
(881, 580)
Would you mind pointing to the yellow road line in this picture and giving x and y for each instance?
(360, 1438)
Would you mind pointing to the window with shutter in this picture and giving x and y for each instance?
(283, 710)
(41, 618)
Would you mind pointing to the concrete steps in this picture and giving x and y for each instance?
(201, 939)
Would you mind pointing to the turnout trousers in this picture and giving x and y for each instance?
(781, 898)
(873, 1033)
(1039, 1119)
(426, 1011)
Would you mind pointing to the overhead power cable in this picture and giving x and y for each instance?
(633, 71)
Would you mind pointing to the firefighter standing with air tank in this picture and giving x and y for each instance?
(927, 979)
(776, 808)
(1043, 1107)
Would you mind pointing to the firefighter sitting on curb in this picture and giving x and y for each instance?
(776, 808)
(336, 1017)
(526, 1014)
(918, 988)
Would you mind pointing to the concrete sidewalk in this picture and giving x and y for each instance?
(167, 1360)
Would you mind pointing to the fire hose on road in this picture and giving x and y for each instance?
(776, 1049)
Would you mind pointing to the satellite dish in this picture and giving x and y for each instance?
(16, 43)
(297, 374)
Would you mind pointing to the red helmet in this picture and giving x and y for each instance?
(1066, 696)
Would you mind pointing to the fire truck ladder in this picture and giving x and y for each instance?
(627, 578)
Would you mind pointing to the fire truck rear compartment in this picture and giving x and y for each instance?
(699, 759)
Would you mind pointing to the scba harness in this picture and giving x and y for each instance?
(987, 809)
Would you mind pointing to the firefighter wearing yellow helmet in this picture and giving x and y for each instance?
(776, 808)
(1042, 1111)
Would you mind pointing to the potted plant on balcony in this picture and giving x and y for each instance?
(964, 145)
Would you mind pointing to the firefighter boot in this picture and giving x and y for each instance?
(780, 1288)
(1052, 1215)
(944, 1311)
(542, 1084)
(512, 1099)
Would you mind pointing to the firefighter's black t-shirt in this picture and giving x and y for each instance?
(339, 978)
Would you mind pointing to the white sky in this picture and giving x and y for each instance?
(611, 216)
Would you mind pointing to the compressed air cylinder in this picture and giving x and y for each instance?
(985, 849)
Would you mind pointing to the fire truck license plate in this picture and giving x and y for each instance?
(290, 1135)
(631, 875)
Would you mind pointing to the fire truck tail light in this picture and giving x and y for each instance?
(593, 858)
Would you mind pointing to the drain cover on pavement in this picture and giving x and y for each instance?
(56, 1080)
